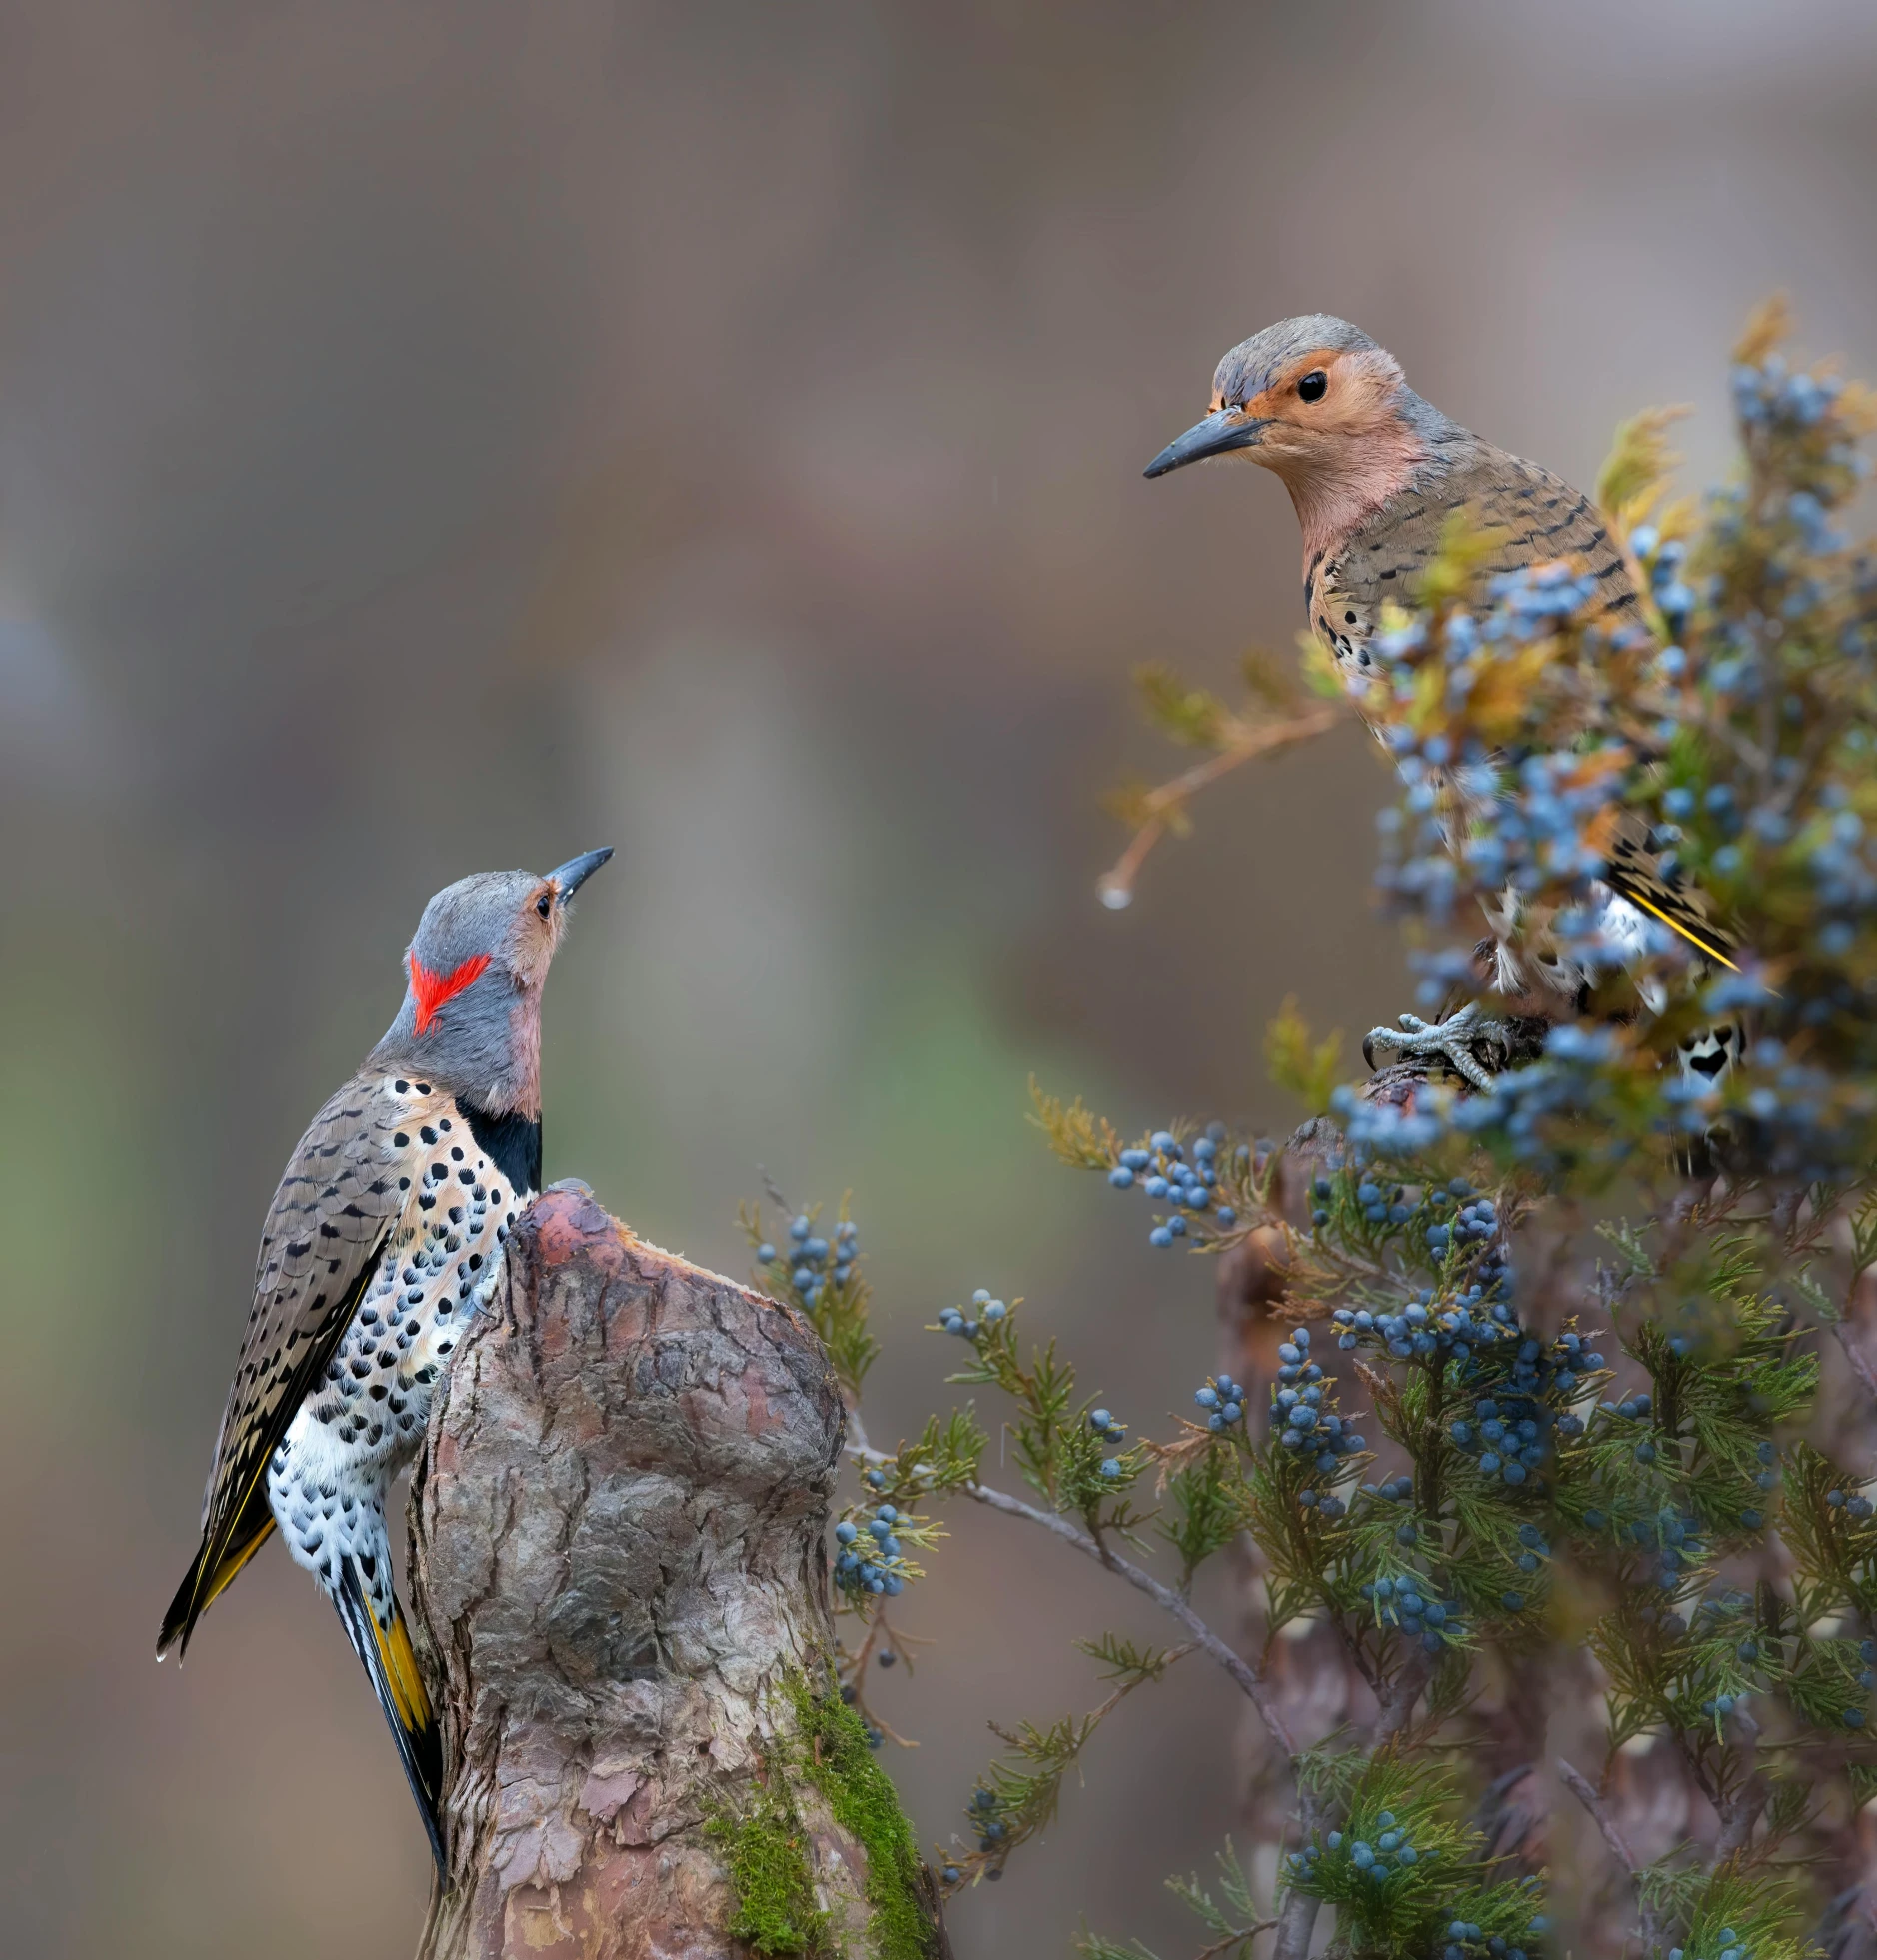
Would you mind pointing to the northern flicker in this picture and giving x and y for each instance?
(383, 1241)
(1375, 473)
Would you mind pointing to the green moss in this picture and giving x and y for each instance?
(864, 1804)
(766, 1854)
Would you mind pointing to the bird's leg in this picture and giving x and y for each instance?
(1453, 1040)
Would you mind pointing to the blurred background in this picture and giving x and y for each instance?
(442, 438)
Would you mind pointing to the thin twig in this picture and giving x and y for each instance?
(1118, 888)
(1860, 1365)
(1580, 1787)
(1235, 1939)
(1162, 1596)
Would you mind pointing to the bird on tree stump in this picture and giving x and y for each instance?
(1378, 475)
(383, 1242)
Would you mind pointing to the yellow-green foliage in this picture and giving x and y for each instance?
(1638, 465)
(1309, 1071)
(1190, 715)
(1083, 1140)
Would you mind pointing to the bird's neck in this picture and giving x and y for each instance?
(484, 1047)
(1335, 495)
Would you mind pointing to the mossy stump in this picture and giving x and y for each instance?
(617, 1554)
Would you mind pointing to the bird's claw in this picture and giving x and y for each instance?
(1453, 1040)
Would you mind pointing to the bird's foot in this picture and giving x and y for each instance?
(1455, 1042)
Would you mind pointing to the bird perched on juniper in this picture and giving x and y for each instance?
(1378, 475)
(383, 1241)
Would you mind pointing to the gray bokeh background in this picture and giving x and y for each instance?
(447, 437)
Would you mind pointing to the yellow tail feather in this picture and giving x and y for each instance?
(230, 1567)
(401, 1676)
(1694, 939)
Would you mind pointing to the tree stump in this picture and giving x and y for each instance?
(617, 1554)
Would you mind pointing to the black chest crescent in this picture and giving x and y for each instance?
(511, 1144)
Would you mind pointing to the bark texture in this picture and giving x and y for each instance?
(617, 1538)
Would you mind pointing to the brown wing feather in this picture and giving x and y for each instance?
(1536, 518)
(337, 1205)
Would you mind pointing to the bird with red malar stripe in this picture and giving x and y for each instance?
(383, 1241)
(1375, 474)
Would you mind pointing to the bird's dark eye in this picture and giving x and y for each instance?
(545, 904)
(1313, 385)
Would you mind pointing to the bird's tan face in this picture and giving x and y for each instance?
(534, 933)
(1327, 417)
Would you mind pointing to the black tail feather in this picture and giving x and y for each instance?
(211, 1572)
(389, 1661)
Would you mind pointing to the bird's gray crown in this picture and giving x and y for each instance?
(474, 915)
(1254, 363)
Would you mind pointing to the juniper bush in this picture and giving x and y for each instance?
(1592, 1448)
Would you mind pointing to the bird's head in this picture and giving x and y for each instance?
(473, 976)
(1317, 402)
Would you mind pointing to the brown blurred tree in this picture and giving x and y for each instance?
(617, 1555)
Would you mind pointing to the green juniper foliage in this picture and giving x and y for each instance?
(1550, 1409)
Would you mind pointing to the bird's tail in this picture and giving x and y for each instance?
(381, 1642)
(220, 1557)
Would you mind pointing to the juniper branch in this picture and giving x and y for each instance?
(1160, 804)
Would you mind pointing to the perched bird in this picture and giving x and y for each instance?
(1375, 474)
(383, 1241)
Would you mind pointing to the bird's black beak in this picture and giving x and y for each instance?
(569, 876)
(1221, 431)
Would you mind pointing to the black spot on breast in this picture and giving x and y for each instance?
(428, 1134)
(401, 1141)
(1348, 619)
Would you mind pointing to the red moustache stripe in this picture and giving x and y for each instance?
(430, 991)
